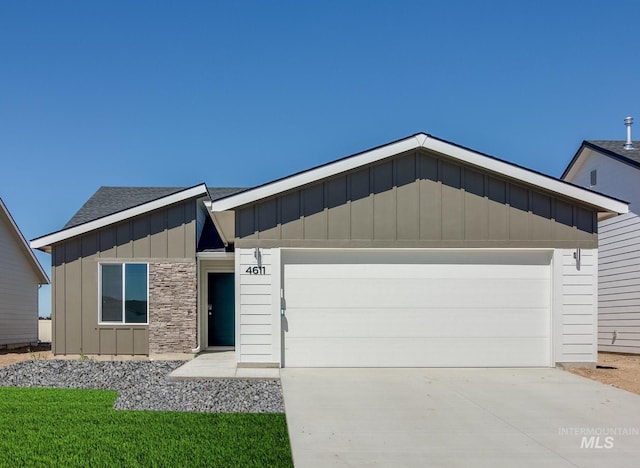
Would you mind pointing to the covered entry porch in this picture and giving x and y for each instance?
(216, 302)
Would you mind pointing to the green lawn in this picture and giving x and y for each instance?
(61, 427)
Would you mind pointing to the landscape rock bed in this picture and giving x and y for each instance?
(143, 385)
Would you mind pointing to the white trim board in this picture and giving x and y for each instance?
(44, 243)
(44, 279)
(422, 140)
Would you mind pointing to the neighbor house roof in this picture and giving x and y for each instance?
(422, 140)
(612, 148)
(23, 245)
(113, 204)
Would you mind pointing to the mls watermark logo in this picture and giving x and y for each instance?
(596, 442)
(601, 438)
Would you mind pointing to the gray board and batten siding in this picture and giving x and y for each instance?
(417, 199)
(161, 237)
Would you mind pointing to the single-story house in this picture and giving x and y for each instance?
(416, 253)
(613, 168)
(20, 276)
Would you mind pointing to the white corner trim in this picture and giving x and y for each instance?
(46, 241)
(43, 276)
(423, 140)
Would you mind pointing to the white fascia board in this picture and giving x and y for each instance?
(316, 174)
(43, 275)
(577, 163)
(422, 140)
(532, 178)
(46, 241)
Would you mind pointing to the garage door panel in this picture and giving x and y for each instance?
(416, 352)
(321, 323)
(418, 257)
(413, 292)
(427, 271)
(388, 309)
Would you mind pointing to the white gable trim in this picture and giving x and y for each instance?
(578, 161)
(422, 140)
(44, 243)
(601, 202)
(44, 279)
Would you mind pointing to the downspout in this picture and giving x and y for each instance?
(196, 350)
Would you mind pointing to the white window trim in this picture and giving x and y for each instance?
(122, 264)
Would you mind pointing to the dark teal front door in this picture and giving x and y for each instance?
(221, 309)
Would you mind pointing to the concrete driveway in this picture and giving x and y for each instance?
(458, 418)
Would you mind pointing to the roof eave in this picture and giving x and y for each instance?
(44, 243)
(598, 149)
(316, 173)
(573, 160)
(600, 202)
(612, 154)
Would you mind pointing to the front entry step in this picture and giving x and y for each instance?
(220, 365)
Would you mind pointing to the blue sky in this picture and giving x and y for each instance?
(238, 93)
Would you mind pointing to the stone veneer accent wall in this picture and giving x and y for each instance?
(172, 307)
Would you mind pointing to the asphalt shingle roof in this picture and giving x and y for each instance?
(220, 192)
(109, 200)
(617, 147)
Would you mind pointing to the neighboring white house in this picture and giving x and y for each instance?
(20, 276)
(610, 168)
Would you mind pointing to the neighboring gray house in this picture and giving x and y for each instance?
(608, 167)
(20, 276)
(417, 253)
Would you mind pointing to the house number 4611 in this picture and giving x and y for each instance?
(256, 270)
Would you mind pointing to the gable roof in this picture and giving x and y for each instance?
(133, 207)
(110, 200)
(22, 245)
(114, 204)
(612, 148)
(601, 202)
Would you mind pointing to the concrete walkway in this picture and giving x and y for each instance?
(218, 365)
(458, 418)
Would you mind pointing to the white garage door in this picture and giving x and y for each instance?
(417, 309)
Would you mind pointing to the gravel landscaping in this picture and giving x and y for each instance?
(143, 385)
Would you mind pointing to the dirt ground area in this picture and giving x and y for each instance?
(11, 356)
(617, 370)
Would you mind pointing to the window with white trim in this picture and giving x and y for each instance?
(124, 293)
